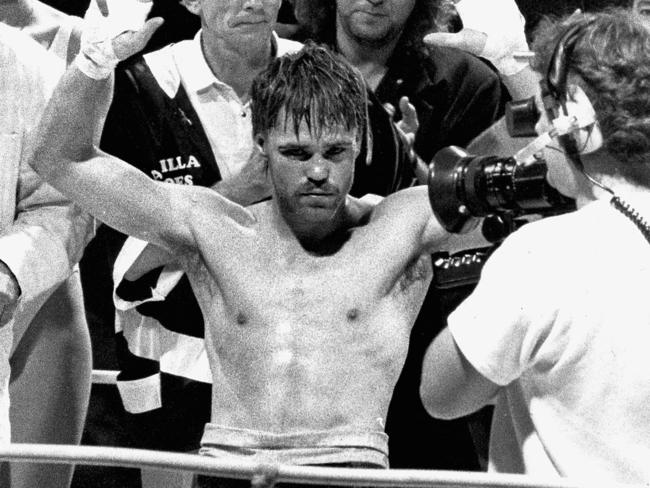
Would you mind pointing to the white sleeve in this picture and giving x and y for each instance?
(501, 326)
(47, 238)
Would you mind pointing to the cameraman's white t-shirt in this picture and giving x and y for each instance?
(561, 319)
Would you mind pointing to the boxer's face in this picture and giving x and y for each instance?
(373, 21)
(311, 171)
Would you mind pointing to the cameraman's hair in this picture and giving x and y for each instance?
(314, 85)
(611, 62)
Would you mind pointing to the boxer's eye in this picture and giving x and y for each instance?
(295, 153)
(335, 152)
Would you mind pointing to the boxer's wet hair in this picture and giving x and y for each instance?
(314, 85)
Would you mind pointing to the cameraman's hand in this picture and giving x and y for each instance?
(493, 29)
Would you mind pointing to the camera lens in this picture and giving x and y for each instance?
(462, 186)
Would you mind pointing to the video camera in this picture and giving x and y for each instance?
(465, 187)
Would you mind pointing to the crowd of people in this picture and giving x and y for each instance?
(259, 194)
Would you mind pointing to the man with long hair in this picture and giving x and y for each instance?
(456, 96)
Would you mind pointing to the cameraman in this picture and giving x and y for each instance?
(555, 330)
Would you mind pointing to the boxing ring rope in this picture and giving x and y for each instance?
(265, 475)
(104, 377)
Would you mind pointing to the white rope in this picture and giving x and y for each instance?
(140, 458)
(104, 377)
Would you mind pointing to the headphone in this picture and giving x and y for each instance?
(557, 103)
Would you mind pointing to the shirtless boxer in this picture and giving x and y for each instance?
(309, 297)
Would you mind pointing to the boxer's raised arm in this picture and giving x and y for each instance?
(65, 151)
(66, 156)
(409, 220)
(408, 216)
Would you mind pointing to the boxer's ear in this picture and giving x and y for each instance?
(260, 144)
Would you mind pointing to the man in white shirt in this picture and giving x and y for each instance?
(556, 329)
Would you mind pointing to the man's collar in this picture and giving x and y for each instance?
(195, 70)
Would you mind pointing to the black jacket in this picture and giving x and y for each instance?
(457, 96)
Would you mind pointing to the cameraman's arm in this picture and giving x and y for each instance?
(450, 386)
(501, 330)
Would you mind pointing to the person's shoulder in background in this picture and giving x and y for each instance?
(450, 63)
(27, 69)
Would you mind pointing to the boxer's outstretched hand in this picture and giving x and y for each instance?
(113, 31)
(125, 23)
